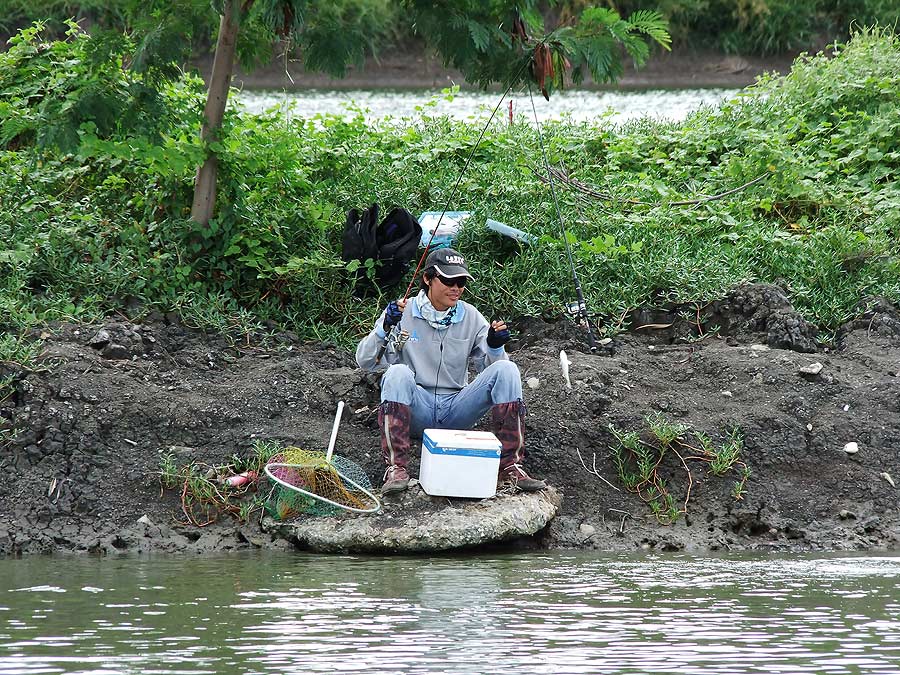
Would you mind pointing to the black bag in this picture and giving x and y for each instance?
(397, 237)
(392, 243)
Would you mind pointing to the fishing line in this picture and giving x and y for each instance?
(465, 168)
(582, 305)
(453, 191)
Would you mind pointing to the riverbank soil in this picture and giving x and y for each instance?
(679, 69)
(83, 431)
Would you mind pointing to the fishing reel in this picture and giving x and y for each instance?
(398, 339)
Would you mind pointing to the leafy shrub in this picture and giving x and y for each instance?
(104, 220)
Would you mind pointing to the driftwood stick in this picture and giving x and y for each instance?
(594, 470)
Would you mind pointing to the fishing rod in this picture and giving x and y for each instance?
(387, 337)
(582, 303)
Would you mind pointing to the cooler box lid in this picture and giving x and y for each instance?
(460, 442)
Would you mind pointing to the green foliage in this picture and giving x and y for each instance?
(481, 40)
(742, 26)
(205, 490)
(15, 350)
(641, 462)
(763, 27)
(85, 230)
(53, 94)
(592, 44)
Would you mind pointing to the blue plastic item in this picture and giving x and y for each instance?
(446, 232)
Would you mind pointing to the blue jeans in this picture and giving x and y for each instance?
(500, 382)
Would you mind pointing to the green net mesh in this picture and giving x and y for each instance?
(312, 483)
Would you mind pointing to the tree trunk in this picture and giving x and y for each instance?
(217, 96)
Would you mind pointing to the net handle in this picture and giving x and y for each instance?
(334, 430)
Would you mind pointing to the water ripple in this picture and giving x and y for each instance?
(567, 614)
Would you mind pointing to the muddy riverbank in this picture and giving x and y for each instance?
(82, 432)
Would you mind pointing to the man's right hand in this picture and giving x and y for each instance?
(393, 313)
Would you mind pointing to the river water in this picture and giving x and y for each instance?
(548, 613)
(615, 106)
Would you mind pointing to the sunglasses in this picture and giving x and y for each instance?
(455, 281)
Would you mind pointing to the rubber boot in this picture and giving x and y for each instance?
(509, 427)
(393, 424)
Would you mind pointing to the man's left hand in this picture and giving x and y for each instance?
(498, 334)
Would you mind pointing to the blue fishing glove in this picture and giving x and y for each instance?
(497, 338)
(392, 315)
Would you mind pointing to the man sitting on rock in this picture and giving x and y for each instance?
(426, 384)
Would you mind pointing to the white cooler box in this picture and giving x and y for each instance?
(459, 463)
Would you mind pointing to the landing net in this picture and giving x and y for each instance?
(304, 482)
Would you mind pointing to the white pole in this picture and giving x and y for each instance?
(334, 429)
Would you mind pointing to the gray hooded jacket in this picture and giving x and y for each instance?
(439, 358)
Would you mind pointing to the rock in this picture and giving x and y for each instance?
(533, 382)
(727, 394)
(811, 371)
(100, 340)
(587, 530)
(442, 527)
(115, 352)
(888, 478)
(851, 448)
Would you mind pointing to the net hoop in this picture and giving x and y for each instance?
(331, 467)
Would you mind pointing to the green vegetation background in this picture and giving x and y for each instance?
(96, 177)
(758, 27)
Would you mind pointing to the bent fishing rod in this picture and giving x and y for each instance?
(387, 337)
(582, 303)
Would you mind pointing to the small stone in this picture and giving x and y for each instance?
(587, 530)
(811, 370)
(145, 519)
(851, 448)
(533, 382)
(605, 341)
(100, 340)
(888, 478)
(759, 348)
(727, 394)
(845, 514)
(809, 427)
(757, 379)
(846, 408)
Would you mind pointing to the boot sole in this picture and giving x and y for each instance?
(395, 486)
(535, 487)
